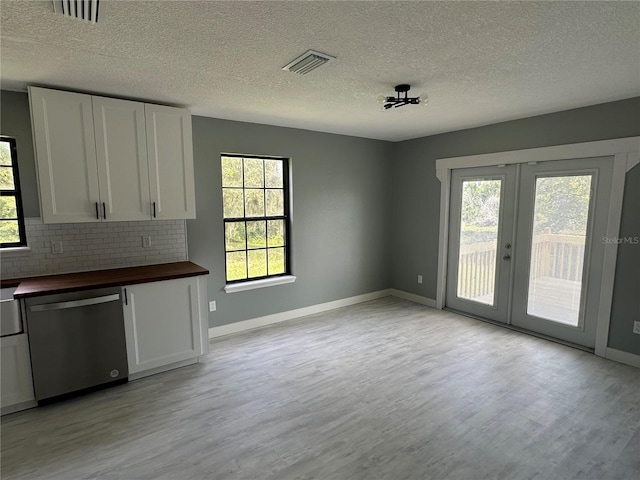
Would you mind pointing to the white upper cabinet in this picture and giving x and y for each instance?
(106, 159)
(121, 149)
(66, 155)
(169, 142)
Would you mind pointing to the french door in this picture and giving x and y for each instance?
(526, 245)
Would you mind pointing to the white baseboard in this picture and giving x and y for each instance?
(291, 314)
(623, 357)
(429, 302)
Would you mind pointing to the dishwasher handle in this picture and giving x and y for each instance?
(75, 303)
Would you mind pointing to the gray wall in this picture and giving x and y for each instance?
(626, 293)
(341, 188)
(416, 196)
(350, 194)
(15, 121)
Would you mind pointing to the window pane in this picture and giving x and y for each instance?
(6, 178)
(231, 172)
(8, 207)
(275, 203)
(232, 203)
(276, 261)
(479, 240)
(273, 174)
(234, 236)
(275, 229)
(5, 153)
(253, 172)
(9, 232)
(561, 213)
(257, 234)
(252, 188)
(236, 266)
(257, 263)
(254, 202)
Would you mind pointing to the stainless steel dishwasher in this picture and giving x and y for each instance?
(77, 342)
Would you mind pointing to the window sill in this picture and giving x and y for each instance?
(265, 282)
(15, 251)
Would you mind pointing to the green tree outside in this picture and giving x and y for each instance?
(9, 232)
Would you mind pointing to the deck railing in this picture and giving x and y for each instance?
(556, 256)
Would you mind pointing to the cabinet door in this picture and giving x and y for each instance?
(170, 148)
(121, 150)
(65, 155)
(162, 323)
(17, 386)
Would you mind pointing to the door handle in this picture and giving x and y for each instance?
(97, 212)
(104, 210)
(507, 257)
(154, 209)
(75, 303)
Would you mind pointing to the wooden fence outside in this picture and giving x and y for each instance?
(555, 256)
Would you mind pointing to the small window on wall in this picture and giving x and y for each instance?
(12, 232)
(256, 208)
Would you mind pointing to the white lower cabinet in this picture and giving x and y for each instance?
(166, 324)
(17, 385)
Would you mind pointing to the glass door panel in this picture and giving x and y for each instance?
(480, 215)
(560, 220)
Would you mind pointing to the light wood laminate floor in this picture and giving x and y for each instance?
(382, 390)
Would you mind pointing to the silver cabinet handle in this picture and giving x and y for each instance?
(75, 303)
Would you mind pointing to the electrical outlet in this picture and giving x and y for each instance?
(212, 306)
(419, 278)
(56, 247)
(636, 327)
(146, 241)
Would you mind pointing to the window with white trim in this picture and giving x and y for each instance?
(12, 233)
(257, 219)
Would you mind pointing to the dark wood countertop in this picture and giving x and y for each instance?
(10, 282)
(73, 282)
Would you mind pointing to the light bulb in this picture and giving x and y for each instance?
(424, 99)
(381, 108)
(381, 98)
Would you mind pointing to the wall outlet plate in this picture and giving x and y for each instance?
(146, 241)
(212, 306)
(56, 247)
(636, 327)
(419, 278)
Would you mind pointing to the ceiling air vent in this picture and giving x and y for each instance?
(86, 10)
(308, 61)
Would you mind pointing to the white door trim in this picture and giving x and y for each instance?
(626, 154)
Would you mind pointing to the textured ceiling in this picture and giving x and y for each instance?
(480, 62)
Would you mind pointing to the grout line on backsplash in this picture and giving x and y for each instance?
(91, 246)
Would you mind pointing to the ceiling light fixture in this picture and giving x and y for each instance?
(399, 101)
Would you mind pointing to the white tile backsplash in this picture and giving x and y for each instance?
(92, 246)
